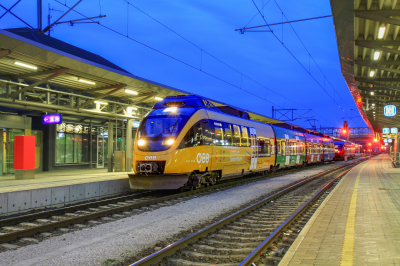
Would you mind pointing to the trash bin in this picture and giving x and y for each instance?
(119, 161)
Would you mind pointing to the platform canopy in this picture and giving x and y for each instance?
(367, 33)
(42, 74)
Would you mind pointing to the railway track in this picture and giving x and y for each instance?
(31, 228)
(257, 235)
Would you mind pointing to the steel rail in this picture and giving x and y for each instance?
(171, 249)
(51, 226)
(255, 255)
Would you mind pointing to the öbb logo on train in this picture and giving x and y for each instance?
(150, 158)
(202, 157)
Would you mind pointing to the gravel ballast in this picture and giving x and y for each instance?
(128, 236)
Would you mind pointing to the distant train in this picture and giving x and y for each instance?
(186, 142)
(347, 148)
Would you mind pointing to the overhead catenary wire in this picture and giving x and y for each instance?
(291, 53)
(307, 49)
(174, 58)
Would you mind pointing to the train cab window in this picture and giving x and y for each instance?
(236, 135)
(219, 134)
(208, 134)
(228, 134)
(283, 147)
(245, 137)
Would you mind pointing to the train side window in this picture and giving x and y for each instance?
(293, 148)
(267, 148)
(228, 134)
(193, 137)
(219, 134)
(261, 147)
(283, 147)
(272, 146)
(245, 137)
(207, 132)
(236, 135)
(279, 148)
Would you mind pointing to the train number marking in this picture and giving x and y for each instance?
(150, 158)
(202, 157)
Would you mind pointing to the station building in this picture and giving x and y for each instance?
(101, 104)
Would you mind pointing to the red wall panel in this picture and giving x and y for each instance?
(24, 152)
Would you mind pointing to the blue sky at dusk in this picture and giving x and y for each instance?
(209, 57)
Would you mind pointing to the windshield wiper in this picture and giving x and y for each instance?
(164, 131)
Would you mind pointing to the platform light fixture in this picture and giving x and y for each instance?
(372, 93)
(158, 98)
(129, 111)
(99, 102)
(373, 104)
(131, 92)
(372, 73)
(376, 55)
(25, 65)
(381, 32)
(86, 81)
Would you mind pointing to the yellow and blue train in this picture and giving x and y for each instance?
(186, 142)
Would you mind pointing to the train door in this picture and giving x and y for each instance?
(254, 149)
(287, 150)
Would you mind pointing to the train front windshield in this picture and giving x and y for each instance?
(160, 128)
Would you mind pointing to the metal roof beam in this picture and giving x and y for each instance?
(116, 88)
(104, 88)
(4, 53)
(34, 74)
(378, 46)
(393, 70)
(56, 73)
(148, 96)
(378, 15)
(377, 62)
(370, 80)
(377, 88)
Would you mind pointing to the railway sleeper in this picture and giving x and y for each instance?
(181, 262)
(239, 233)
(224, 258)
(251, 229)
(239, 238)
(218, 243)
(227, 251)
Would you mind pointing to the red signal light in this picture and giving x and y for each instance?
(375, 140)
(369, 144)
(344, 130)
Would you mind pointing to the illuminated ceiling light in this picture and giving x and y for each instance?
(129, 111)
(25, 65)
(131, 92)
(376, 55)
(158, 98)
(372, 73)
(373, 104)
(101, 102)
(381, 32)
(373, 112)
(372, 93)
(86, 81)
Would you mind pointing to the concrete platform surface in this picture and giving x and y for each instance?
(358, 223)
(58, 187)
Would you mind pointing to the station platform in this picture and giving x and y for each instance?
(59, 187)
(357, 224)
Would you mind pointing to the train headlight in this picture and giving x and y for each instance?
(170, 141)
(141, 142)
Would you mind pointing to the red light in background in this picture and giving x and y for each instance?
(369, 144)
(344, 131)
(375, 140)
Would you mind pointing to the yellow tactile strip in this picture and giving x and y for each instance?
(348, 244)
(377, 224)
